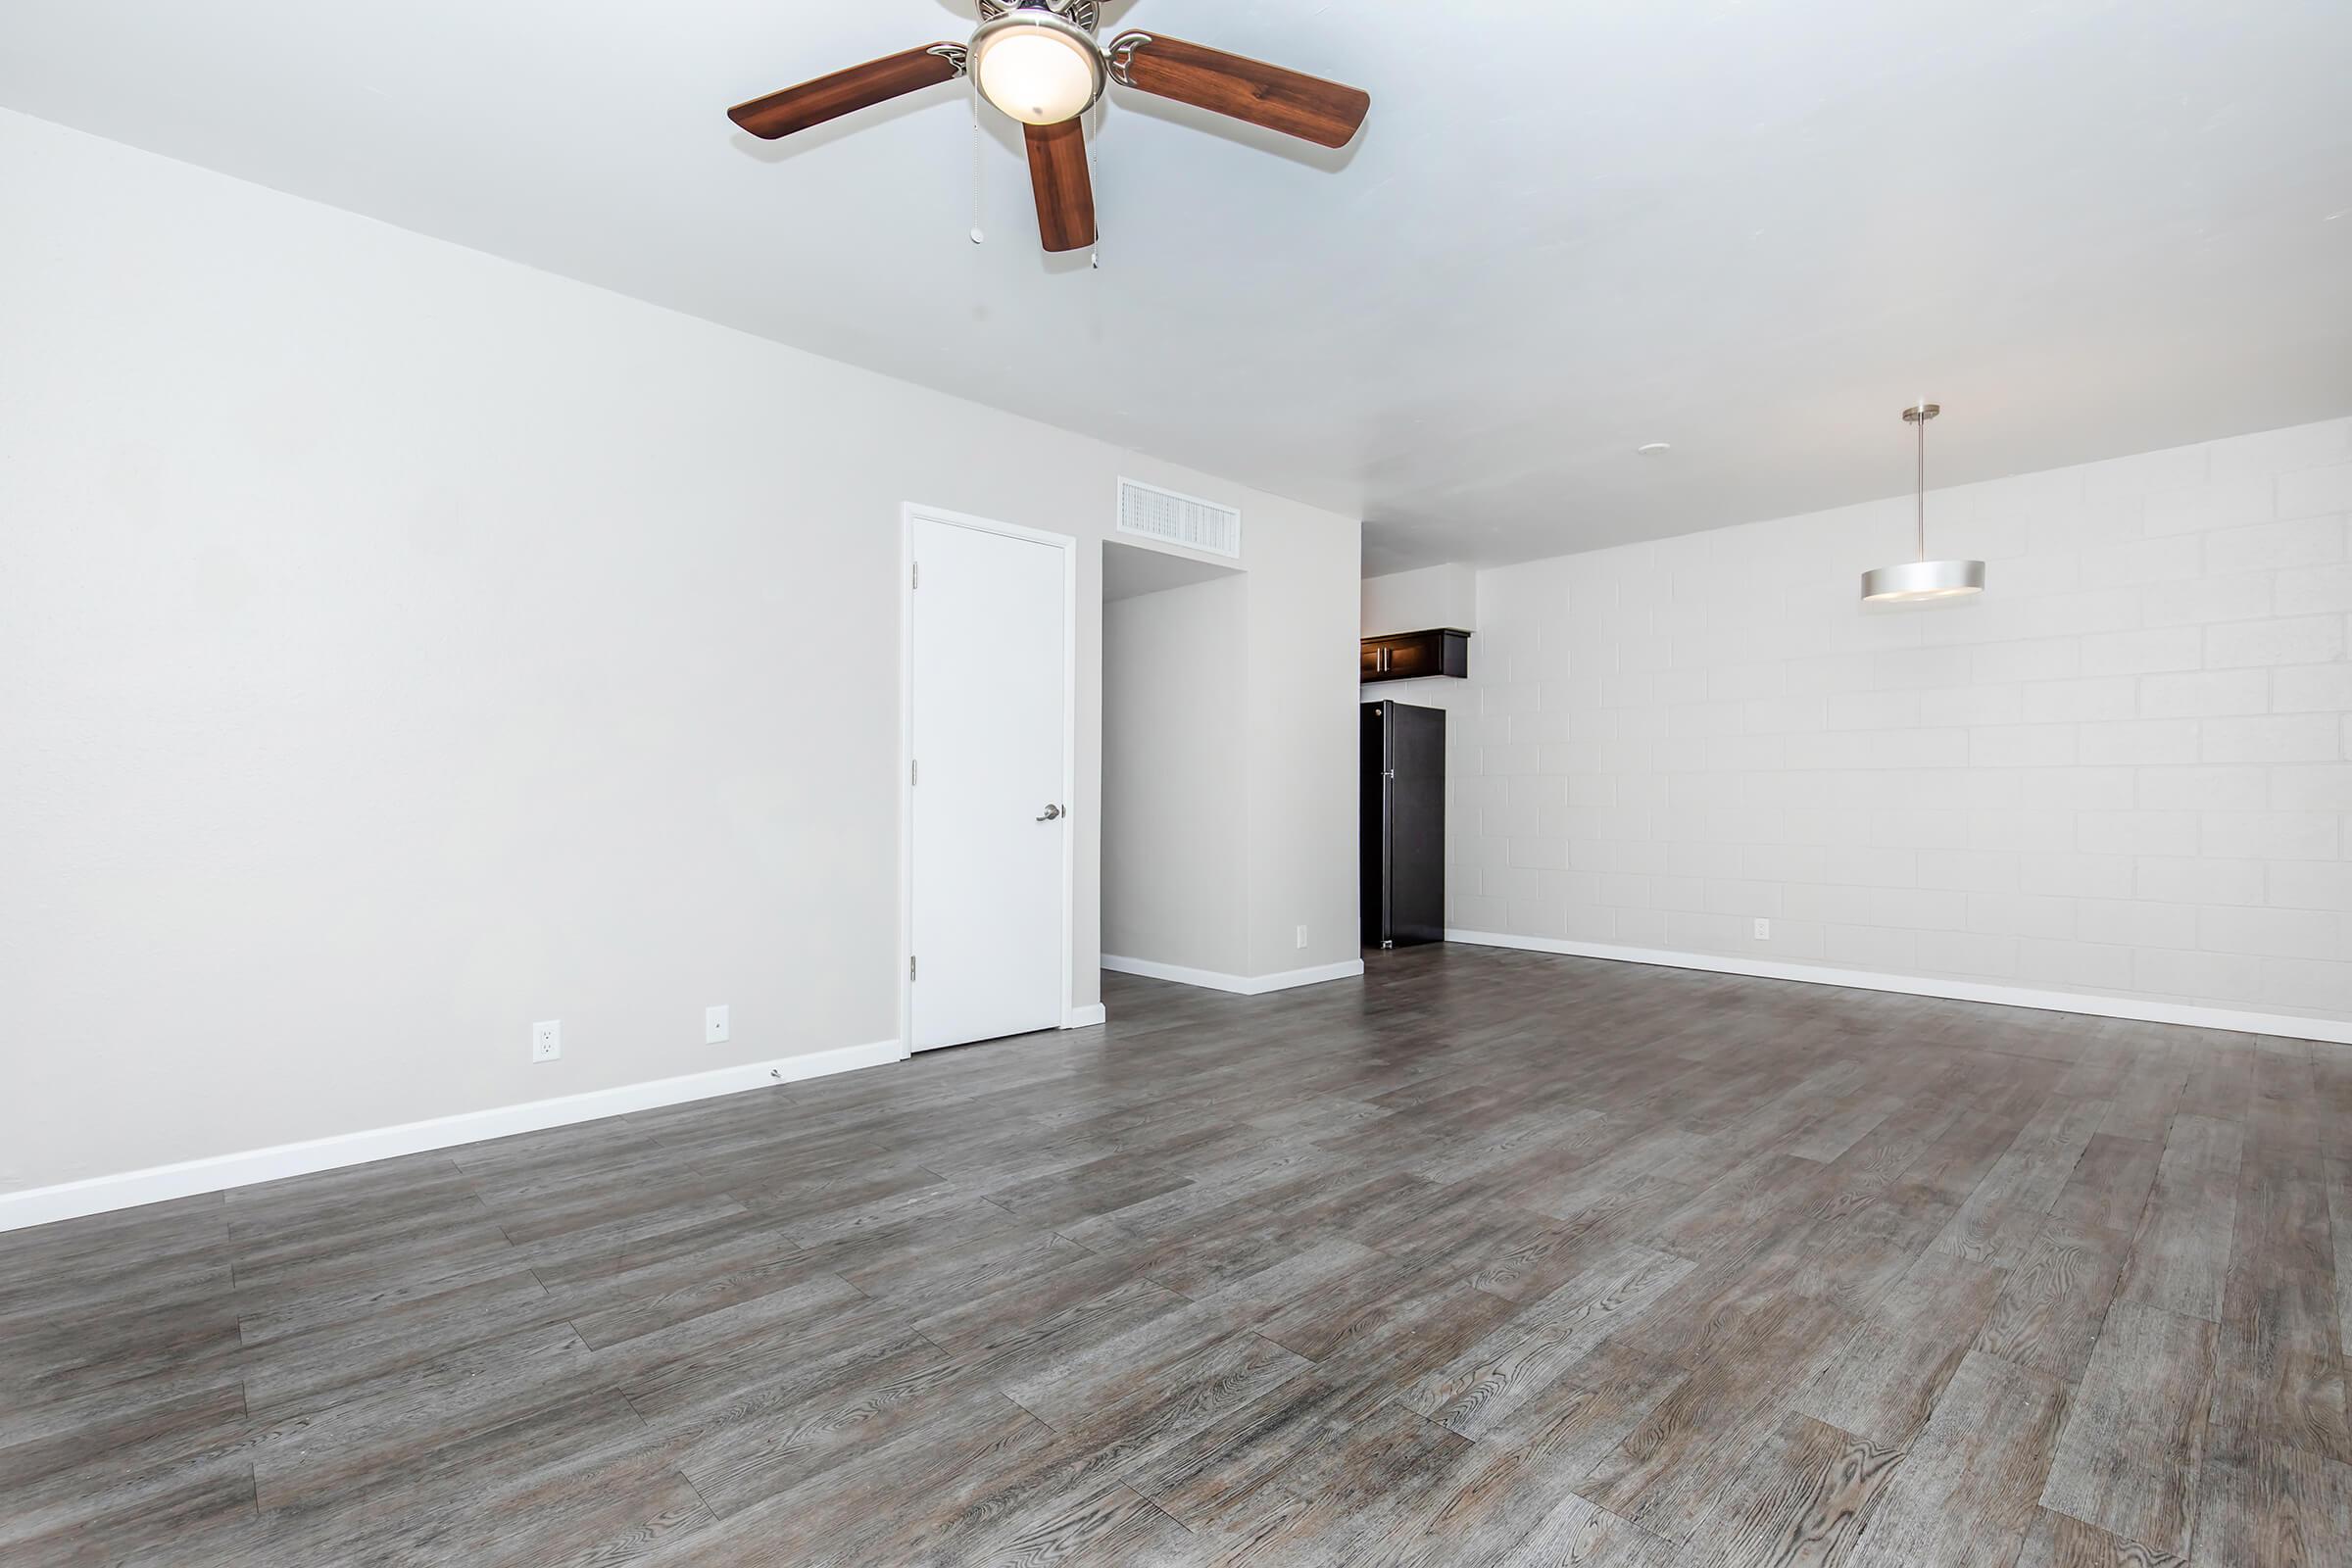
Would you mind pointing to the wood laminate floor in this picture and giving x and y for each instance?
(1491, 1258)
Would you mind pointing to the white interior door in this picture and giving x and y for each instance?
(989, 827)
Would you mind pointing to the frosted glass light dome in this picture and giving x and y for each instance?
(1037, 66)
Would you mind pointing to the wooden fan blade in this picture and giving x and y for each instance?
(1066, 194)
(812, 103)
(1307, 107)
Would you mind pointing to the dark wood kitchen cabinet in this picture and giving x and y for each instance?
(1406, 655)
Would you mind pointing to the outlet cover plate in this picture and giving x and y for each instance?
(716, 1029)
(547, 1039)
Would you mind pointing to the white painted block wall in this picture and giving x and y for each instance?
(2125, 771)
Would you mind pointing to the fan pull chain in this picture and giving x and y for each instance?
(979, 234)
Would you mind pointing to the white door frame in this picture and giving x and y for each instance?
(908, 512)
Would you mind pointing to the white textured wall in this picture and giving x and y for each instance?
(398, 646)
(1302, 726)
(2126, 769)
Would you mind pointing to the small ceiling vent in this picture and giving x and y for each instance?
(1179, 519)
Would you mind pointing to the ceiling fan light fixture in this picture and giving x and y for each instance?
(1916, 581)
(1037, 62)
(1038, 67)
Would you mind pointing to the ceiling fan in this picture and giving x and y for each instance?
(1039, 62)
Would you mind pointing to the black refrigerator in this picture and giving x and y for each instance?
(1403, 821)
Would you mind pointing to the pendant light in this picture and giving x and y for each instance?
(1919, 580)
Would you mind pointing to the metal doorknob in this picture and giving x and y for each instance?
(1052, 811)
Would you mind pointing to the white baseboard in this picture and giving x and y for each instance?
(1240, 985)
(1084, 1017)
(2148, 1012)
(39, 1206)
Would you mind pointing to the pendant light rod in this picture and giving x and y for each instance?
(1917, 417)
(1920, 489)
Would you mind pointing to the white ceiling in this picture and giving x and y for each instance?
(1755, 230)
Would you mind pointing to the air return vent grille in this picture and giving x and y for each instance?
(1179, 519)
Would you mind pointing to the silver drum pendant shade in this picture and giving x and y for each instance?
(1924, 579)
(1916, 580)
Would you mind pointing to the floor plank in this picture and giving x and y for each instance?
(1965, 1492)
(2127, 1461)
(2278, 1365)
(2180, 1253)
(1884, 1382)
(2059, 1541)
(2262, 1501)
(1804, 1498)
(2050, 1309)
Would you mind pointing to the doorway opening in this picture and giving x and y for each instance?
(1175, 801)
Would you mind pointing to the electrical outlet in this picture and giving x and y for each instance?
(547, 1039)
(1763, 930)
(1303, 936)
(714, 1025)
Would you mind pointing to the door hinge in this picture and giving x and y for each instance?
(912, 770)
(914, 577)
(910, 967)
